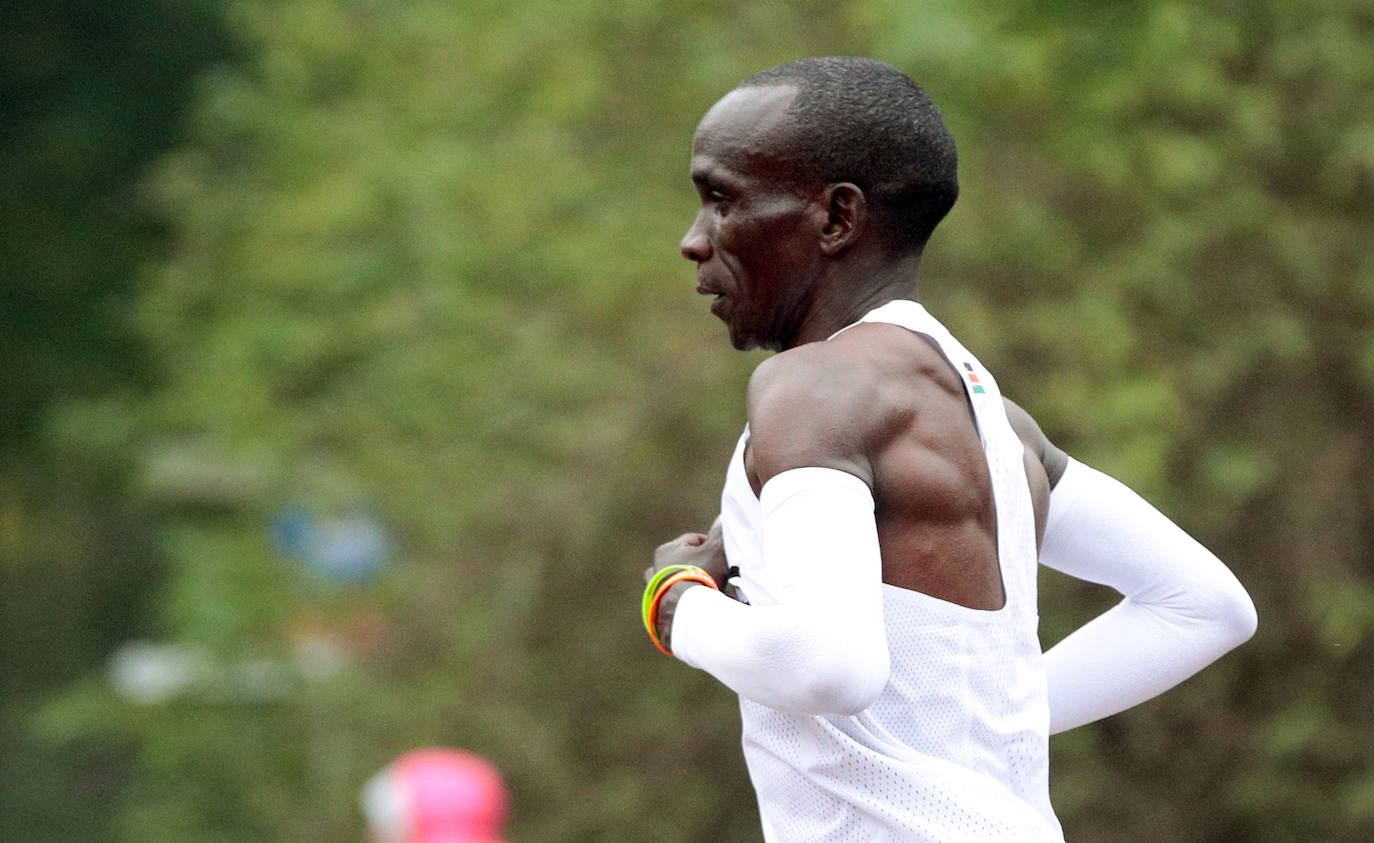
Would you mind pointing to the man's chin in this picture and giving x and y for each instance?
(742, 342)
(746, 338)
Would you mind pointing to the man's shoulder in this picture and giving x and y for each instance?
(858, 363)
(805, 410)
(820, 377)
(842, 401)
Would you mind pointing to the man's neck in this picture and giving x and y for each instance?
(850, 294)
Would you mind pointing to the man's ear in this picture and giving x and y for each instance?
(846, 210)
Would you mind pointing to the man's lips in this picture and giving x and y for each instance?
(716, 304)
(706, 289)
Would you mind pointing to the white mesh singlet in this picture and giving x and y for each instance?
(955, 748)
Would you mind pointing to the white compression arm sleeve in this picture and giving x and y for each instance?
(1182, 609)
(822, 647)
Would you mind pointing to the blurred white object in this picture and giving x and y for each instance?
(147, 673)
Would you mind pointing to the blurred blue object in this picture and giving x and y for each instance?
(347, 548)
(290, 530)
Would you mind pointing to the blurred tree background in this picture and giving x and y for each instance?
(351, 376)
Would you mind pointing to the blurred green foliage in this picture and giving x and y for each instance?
(418, 261)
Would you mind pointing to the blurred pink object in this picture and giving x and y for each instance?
(437, 796)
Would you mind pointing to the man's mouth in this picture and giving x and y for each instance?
(708, 290)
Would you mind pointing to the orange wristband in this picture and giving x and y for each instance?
(689, 575)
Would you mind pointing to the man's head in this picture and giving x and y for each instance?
(801, 166)
(862, 121)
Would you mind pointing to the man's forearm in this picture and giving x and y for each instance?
(821, 648)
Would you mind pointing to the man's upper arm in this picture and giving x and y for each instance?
(817, 644)
(1050, 456)
(803, 413)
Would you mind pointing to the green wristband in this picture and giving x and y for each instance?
(657, 580)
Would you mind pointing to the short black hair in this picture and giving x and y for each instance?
(863, 121)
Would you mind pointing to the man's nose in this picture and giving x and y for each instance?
(695, 245)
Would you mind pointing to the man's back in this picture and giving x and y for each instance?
(935, 510)
(955, 743)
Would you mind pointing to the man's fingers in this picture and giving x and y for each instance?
(671, 552)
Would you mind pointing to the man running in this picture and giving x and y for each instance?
(881, 513)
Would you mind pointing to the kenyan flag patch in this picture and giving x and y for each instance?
(974, 385)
